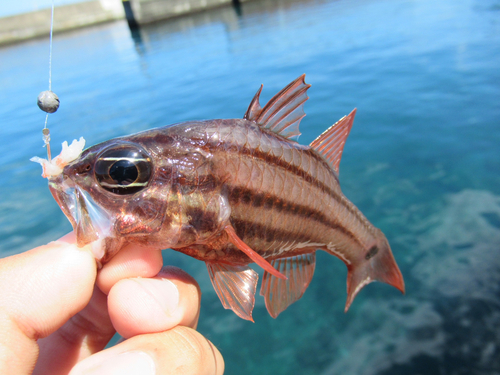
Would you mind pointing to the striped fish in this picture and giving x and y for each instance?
(230, 193)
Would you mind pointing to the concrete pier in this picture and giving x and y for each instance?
(26, 26)
(147, 11)
(66, 17)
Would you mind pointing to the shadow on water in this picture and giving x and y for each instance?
(230, 16)
(237, 7)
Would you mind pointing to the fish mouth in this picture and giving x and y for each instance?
(90, 222)
(62, 189)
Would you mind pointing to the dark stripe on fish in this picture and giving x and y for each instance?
(267, 157)
(202, 220)
(197, 183)
(247, 229)
(298, 171)
(267, 201)
(290, 167)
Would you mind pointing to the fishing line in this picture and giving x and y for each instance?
(50, 45)
(47, 100)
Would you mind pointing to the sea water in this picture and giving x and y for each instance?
(422, 161)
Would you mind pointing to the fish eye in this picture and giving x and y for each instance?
(123, 169)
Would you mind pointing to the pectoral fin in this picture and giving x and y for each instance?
(238, 242)
(235, 286)
(279, 294)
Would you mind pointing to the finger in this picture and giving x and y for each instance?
(84, 334)
(180, 350)
(40, 290)
(131, 261)
(138, 306)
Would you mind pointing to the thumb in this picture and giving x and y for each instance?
(39, 291)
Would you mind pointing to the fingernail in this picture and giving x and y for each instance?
(163, 292)
(134, 362)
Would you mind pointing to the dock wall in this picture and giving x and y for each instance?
(147, 11)
(26, 26)
(66, 17)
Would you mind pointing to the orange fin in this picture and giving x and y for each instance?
(279, 294)
(235, 286)
(282, 114)
(331, 143)
(238, 242)
(377, 265)
(254, 109)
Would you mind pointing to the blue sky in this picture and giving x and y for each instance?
(8, 8)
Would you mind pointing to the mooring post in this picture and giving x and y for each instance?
(129, 14)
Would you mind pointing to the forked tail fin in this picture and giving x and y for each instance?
(378, 264)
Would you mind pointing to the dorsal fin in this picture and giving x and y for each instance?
(282, 114)
(254, 109)
(331, 143)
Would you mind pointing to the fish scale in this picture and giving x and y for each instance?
(275, 176)
(229, 193)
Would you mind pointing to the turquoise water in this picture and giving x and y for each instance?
(422, 161)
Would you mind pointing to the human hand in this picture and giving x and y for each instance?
(55, 317)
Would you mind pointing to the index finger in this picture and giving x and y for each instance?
(131, 261)
(40, 290)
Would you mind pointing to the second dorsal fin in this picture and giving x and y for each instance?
(331, 143)
(282, 114)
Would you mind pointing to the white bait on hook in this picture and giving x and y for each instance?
(69, 153)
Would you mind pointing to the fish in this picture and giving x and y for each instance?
(229, 192)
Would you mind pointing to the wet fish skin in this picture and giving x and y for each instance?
(215, 186)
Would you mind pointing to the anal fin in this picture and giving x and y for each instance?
(235, 286)
(278, 293)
